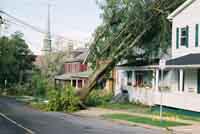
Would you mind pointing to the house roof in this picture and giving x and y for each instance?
(63, 77)
(191, 59)
(70, 76)
(80, 57)
(180, 9)
(85, 74)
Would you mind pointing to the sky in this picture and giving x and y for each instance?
(73, 19)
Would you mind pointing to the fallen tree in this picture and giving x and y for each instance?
(137, 22)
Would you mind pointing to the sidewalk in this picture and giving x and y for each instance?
(194, 128)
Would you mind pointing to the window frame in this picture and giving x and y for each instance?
(183, 36)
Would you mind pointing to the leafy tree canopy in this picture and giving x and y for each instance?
(123, 19)
(16, 59)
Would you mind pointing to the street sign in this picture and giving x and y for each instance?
(162, 64)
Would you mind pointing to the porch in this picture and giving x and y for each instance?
(180, 88)
(76, 80)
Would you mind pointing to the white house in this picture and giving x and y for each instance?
(182, 74)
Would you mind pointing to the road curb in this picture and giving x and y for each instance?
(136, 124)
(17, 124)
(122, 122)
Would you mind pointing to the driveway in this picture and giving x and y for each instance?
(58, 123)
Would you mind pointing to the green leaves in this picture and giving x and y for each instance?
(63, 100)
(123, 18)
(15, 59)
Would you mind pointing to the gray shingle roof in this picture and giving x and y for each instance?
(83, 52)
(190, 59)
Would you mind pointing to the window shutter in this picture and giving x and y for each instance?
(177, 38)
(187, 36)
(197, 35)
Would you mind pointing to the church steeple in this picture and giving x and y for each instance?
(47, 44)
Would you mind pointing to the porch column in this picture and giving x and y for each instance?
(157, 80)
(71, 83)
(181, 80)
(76, 84)
(153, 80)
(83, 83)
(133, 78)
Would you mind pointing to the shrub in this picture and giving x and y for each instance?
(98, 97)
(40, 85)
(63, 100)
(54, 101)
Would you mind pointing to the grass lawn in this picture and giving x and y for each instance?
(144, 120)
(130, 107)
(177, 115)
(138, 108)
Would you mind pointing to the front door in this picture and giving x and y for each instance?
(198, 81)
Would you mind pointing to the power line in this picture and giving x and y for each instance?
(29, 25)
(23, 22)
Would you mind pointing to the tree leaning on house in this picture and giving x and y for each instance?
(128, 24)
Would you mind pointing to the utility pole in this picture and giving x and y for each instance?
(49, 27)
(47, 46)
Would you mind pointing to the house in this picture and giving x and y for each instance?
(76, 70)
(181, 85)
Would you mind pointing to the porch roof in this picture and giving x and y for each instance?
(190, 59)
(70, 76)
(187, 61)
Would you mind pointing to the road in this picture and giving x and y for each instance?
(6, 127)
(57, 123)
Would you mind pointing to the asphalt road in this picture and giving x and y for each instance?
(58, 123)
(6, 127)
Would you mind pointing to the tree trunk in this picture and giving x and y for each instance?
(21, 76)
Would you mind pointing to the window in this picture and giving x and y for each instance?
(70, 68)
(197, 35)
(183, 36)
(177, 38)
(129, 78)
(139, 79)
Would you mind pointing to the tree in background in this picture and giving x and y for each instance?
(53, 63)
(16, 59)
